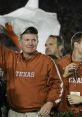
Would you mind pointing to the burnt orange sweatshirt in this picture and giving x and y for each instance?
(30, 83)
(71, 84)
(12, 35)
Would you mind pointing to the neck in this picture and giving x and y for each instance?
(28, 56)
(57, 55)
(76, 56)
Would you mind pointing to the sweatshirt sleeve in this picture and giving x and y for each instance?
(12, 35)
(3, 58)
(55, 83)
(2, 55)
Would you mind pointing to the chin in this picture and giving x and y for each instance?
(49, 54)
(30, 52)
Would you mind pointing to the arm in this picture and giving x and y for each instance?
(45, 109)
(12, 35)
(56, 89)
(3, 57)
(68, 69)
(56, 85)
(74, 99)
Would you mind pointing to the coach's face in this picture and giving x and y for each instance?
(51, 47)
(29, 43)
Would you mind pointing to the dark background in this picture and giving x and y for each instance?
(69, 14)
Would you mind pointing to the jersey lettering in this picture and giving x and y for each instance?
(25, 74)
(72, 80)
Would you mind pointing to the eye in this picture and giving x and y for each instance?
(51, 44)
(27, 40)
(45, 45)
(34, 39)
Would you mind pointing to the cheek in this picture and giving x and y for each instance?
(35, 44)
(80, 49)
(54, 48)
(22, 45)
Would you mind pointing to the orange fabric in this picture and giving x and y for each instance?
(30, 83)
(12, 35)
(70, 84)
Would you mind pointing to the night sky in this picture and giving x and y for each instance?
(69, 13)
(7, 6)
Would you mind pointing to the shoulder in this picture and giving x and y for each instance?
(64, 61)
(46, 58)
(6, 49)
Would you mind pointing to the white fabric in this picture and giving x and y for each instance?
(28, 114)
(45, 22)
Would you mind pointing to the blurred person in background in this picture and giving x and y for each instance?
(71, 70)
(54, 47)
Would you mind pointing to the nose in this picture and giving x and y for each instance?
(46, 49)
(46, 46)
(30, 42)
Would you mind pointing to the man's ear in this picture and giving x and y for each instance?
(76, 44)
(20, 40)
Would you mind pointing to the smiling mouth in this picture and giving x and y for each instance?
(30, 47)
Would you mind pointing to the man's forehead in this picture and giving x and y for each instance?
(50, 39)
(29, 35)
